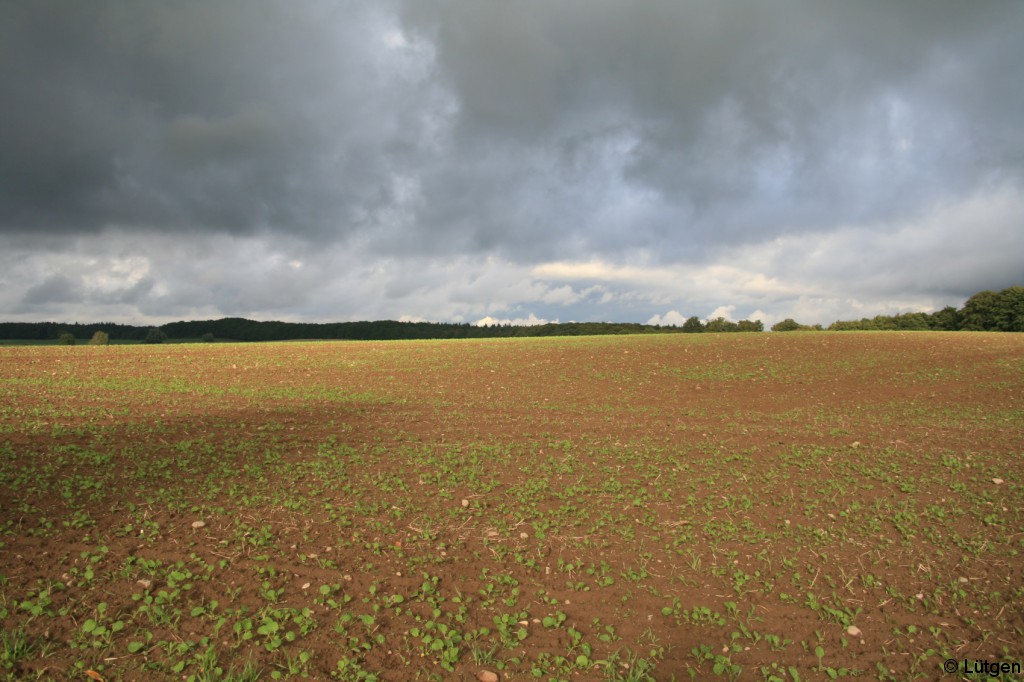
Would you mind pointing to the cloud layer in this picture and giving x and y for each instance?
(459, 161)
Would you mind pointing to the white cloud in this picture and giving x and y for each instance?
(530, 321)
(672, 318)
(959, 246)
(722, 311)
(601, 271)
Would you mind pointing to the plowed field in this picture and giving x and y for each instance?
(740, 506)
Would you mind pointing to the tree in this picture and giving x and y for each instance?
(978, 313)
(884, 322)
(997, 312)
(787, 325)
(156, 335)
(208, 338)
(748, 326)
(1009, 310)
(911, 321)
(720, 324)
(100, 338)
(945, 320)
(66, 339)
(693, 325)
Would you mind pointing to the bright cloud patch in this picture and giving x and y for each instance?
(530, 321)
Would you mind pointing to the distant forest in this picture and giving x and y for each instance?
(984, 311)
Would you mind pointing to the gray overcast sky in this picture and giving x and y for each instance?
(473, 160)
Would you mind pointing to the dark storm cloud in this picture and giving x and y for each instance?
(224, 116)
(328, 158)
(55, 289)
(744, 119)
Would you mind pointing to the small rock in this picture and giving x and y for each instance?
(144, 584)
(853, 631)
(465, 503)
(487, 676)
(524, 535)
(997, 481)
(855, 444)
(305, 586)
(962, 580)
(199, 524)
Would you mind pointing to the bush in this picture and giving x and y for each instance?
(156, 335)
(208, 338)
(66, 339)
(100, 339)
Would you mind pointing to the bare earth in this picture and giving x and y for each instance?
(739, 506)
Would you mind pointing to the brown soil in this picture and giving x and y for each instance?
(702, 471)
